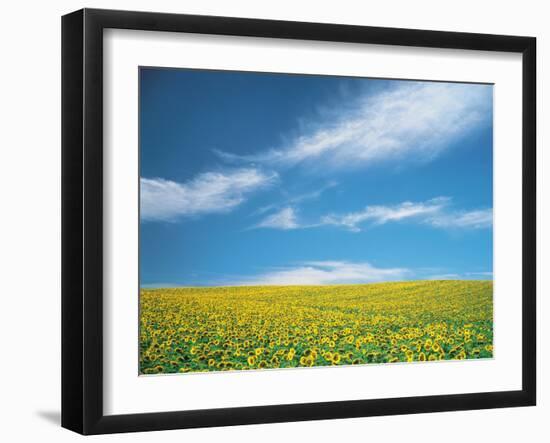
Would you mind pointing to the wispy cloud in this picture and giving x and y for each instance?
(299, 198)
(479, 274)
(451, 276)
(463, 276)
(435, 212)
(413, 120)
(326, 273)
(207, 193)
(379, 214)
(158, 285)
(284, 219)
(478, 219)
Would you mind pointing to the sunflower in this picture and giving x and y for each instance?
(428, 344)
(290, 354)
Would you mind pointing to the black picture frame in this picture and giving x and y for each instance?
(82, 219)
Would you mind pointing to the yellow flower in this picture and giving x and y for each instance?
(461, 355)
(238, 328)
(428, 344)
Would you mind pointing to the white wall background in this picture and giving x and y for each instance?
(30, 217)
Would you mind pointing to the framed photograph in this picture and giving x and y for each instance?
(269, 221)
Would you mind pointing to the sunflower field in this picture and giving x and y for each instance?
(261, 327)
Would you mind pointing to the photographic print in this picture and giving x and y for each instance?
(293, 220)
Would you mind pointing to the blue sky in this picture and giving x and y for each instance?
(255, 178)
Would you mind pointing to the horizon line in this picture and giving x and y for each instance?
(312, 285)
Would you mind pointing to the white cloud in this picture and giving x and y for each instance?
(477, 219)
(157, 285)
(445, 277)
(312, 195)
(210, 192)
(464, 276)
(413, 120)
(327, 273)
(379, 214)
(480, 274)
(434, 212)
(284, 219)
